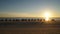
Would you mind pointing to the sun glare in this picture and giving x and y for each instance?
(46, 19)
(47, 16)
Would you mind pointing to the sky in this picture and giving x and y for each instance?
(29, 8)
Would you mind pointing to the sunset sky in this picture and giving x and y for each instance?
(29, 8)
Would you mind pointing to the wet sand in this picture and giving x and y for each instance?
(30, 28)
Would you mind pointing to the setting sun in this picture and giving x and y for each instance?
(47, 16)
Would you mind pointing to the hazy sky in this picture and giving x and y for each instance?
(29, 8)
